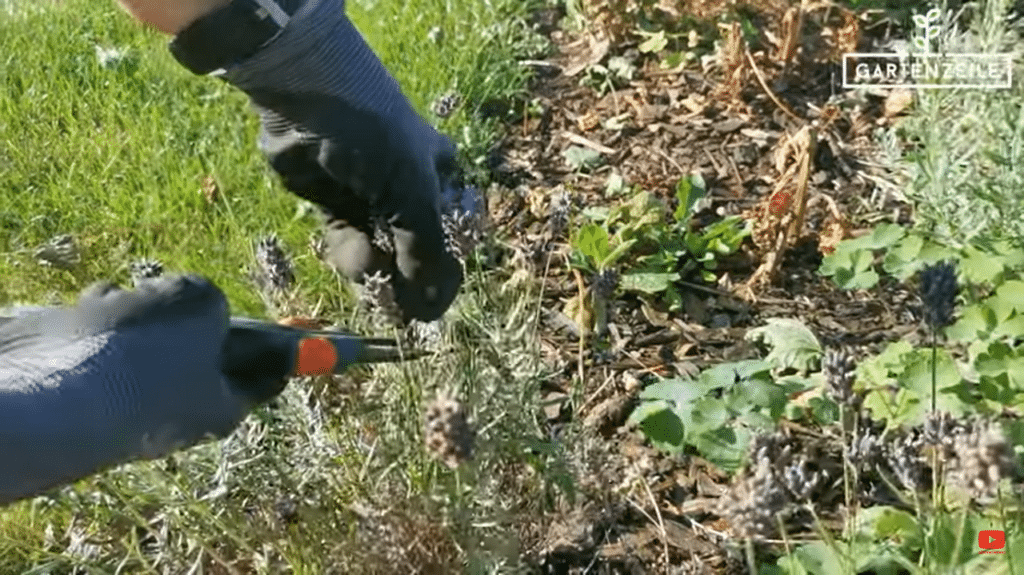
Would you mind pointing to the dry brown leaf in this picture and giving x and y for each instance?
(733, 65)
(694, 103)
(596, 50)
(779, 218)
(588, 121)
(848, 37)
(209, 189)
(833, 232)
(792, 28)
(897, 102)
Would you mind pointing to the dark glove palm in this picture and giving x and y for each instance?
(341, 134)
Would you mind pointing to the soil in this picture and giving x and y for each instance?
(725, 116)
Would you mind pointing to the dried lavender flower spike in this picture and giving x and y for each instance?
(840, 369)
(378, 295)
(145, 269)
(558, 216)
(274, 268)
(447, 431)
(983, 458)
(446, 105)
(463, 231)
(904, 458)
(605, 283)
(60, 252)
(383, 238)
(938, 291)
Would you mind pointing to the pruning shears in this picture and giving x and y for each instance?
(257, 346)
(262, 348)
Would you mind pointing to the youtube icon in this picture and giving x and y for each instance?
(992, 540)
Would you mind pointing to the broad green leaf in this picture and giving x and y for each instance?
(647, 409)
(877, 369)
(1009, 295)
(615, 185)
(764, 394)
(976, 322)
(581, 158)
(622, 67)
(818, 558)
(596, 213)
(654, 43)
(755, 420)
(999, 359)
(620, 250)
(948, 529)
(726, 447)
(706, 414)
(886, 235)
(679, 390)
(825, 411)
(886, 406)
(917, 372)
(792, 344)
(1012, 326)
(882, 522)
(981, 267)
(729, 374)
(665, 430)
(689, 190)
(673, 298)
(648, 282)
(695, 243)
(933, 253)
(645, 209)
(902, 260)
(592, 241)
(786, 565)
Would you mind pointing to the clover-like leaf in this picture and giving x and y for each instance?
(581, 158)
(792, 344)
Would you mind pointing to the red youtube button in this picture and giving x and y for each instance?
(991, 539)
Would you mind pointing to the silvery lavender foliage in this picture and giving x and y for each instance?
(60, 252)
(938, 291)
(983, 458)
(378, 295)
(145, 269)
(840, 368)
(448, 433)
(274, 268)
(445, 106)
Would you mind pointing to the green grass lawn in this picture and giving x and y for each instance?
(114, 153)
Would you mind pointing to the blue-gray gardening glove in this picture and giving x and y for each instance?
(120, 376)
(341, 134)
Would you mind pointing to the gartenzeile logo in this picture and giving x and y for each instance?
(928, 64)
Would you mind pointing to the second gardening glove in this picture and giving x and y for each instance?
(341, 134)
(117, 377)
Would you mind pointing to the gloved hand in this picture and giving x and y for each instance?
(341, 134)
(120, 376)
